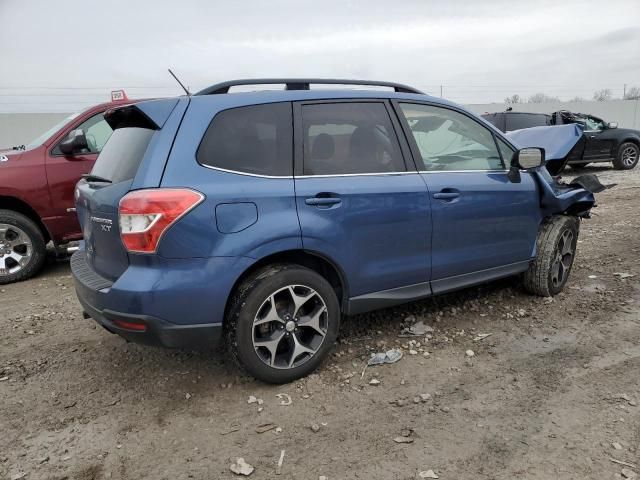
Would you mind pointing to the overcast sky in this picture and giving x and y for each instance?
(66, 54)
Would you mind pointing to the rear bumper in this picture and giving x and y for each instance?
(179, 303)
(158, 332)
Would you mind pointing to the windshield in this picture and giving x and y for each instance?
(40, 140)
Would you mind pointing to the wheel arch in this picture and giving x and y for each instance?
(20, 206)
(634, 140)
(315, 261)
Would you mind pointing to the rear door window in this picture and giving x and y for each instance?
(349, 138)
(257, 139)
(123, 153)
(518, 121)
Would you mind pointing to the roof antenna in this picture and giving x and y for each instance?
(178, 80)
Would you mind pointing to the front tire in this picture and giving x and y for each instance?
(282, 322)
(627, 157)
(22, 247)
(556, 245)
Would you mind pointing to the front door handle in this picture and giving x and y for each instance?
(323, 201)
(447, 194)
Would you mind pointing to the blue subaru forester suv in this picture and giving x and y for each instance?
(259, 218)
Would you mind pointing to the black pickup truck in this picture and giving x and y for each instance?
(604, 141)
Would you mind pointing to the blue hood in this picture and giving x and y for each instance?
(557, 141)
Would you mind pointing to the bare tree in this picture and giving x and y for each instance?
(542, 98)
(633, 93)
(602, 95)
(513, 99)
(577, 99)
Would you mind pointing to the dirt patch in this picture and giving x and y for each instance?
(544, 396)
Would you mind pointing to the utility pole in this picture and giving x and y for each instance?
(441, 91)
(624, 91)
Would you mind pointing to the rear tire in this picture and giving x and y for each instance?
(556, 247)
(627, 157)
(282, 322)
(22, 247)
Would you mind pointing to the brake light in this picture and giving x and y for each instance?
(145, 215)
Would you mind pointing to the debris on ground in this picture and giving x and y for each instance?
(616, 446)
(481, 336)
(628, 473)
(428, 474)
(390, 356)
(405, 436)
(623, 275)
(620, 462)
(403, 440)
(418, 329)
(285, 399)
(315, 428)
(240, 467)
(265, 427)
(469, 353)
(279, 466)
(374, 381)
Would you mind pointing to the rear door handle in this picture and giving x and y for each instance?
(323, 201)
(447, 194)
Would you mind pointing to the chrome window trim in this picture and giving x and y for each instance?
(350, 174)
(465, 171)
(258, 175)
(378, 174)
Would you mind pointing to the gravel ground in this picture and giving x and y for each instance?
(553, 392)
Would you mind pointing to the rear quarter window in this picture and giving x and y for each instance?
(256, 139)
(122, 154)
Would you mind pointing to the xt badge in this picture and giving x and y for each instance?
(105, 223)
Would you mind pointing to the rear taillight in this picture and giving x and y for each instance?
(145, 215)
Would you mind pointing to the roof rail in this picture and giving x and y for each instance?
(302, 84)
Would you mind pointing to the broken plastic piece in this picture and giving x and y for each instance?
(418, 329)
(285, 399)
(390, 356)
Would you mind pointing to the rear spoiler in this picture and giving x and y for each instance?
(150, 114)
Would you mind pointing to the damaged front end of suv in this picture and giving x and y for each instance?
(560, 144)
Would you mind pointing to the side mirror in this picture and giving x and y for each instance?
(528, 158)
(75, 142)
(612, 125)
(525, 159)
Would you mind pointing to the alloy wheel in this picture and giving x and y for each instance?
(563, 260)
(16, 249)
(290, 327)
(629, 156)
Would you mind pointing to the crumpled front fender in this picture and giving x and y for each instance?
(560, 198)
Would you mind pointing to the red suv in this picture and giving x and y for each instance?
(37, 182)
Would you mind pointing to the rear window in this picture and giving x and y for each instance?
(257, 139)
(122, 154)
(517, 121)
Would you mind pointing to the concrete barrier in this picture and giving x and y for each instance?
(21, 128)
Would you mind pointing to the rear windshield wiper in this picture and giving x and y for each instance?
(95, 178)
